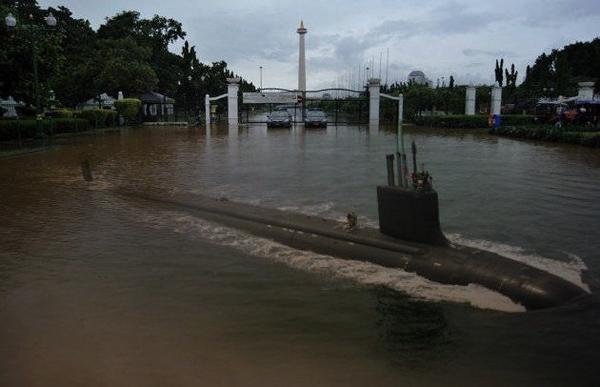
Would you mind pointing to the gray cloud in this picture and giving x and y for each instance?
(471, 52)
(552, 14)
(345, 34)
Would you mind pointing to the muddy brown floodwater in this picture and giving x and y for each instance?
(101, 290)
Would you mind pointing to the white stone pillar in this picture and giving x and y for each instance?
(586, 90)
(233, 86)
(496, 100)
(470, 100)
(400, 145)
(301, 58)
(374, 91)
(207, 108)
(400, 155)
(401, 108)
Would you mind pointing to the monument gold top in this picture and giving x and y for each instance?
(301, 29)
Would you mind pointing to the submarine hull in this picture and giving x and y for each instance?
(451, 264)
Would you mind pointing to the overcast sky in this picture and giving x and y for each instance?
(458, 37)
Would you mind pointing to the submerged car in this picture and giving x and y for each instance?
(315, 119)
(279, 118)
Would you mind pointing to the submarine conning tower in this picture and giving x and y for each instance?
(408, 208)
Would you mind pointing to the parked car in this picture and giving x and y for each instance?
(279, 118)
(315, 119)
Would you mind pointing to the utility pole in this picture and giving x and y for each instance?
(387, 66)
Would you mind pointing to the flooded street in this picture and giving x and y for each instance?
(98, 289)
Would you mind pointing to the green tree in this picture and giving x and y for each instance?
(123, 66)
(16, 52)
(155, 34)
(418, 99)
(74, 82)
(127, 53)
(562, 69)
(499, 72)
(562, 75)
(511, 77)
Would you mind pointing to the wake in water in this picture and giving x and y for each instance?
(361, 272)
(571, 271)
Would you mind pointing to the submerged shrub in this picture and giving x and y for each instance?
(129, 108)
(24, 129)
(100, 118)
(572, 135)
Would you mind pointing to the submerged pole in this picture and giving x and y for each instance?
(86, 170)
(404, 171)
(390, 169)
(414, 157)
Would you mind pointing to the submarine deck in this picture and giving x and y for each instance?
(453, 264)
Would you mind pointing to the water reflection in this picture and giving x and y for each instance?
(71, 249)
(414, 332)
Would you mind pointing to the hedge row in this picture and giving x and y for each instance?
(453, 121)
(24, 129)
(549, 133)
(470, 122)
(62, 113)
(98, 118)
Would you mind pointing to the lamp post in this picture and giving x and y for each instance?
(11, 24)
(178, 90)
(189, 78)
(201, 87)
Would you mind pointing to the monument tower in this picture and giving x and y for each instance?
(301, 58)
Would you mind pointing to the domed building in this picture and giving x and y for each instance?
(419, 78)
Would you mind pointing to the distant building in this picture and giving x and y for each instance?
(156, 106)
(102, 101)
(10, 106)
(419, 78)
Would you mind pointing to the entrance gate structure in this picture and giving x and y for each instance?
(342, 106)
(233, 87)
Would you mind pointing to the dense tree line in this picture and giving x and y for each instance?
(557, 73)
(126, 53)
(448, 99)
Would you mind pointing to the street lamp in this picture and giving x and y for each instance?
(10, 20)
(179, 89)
(189, 78)
(50, 20)
(11, 24)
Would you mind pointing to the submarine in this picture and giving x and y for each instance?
(409, 237)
